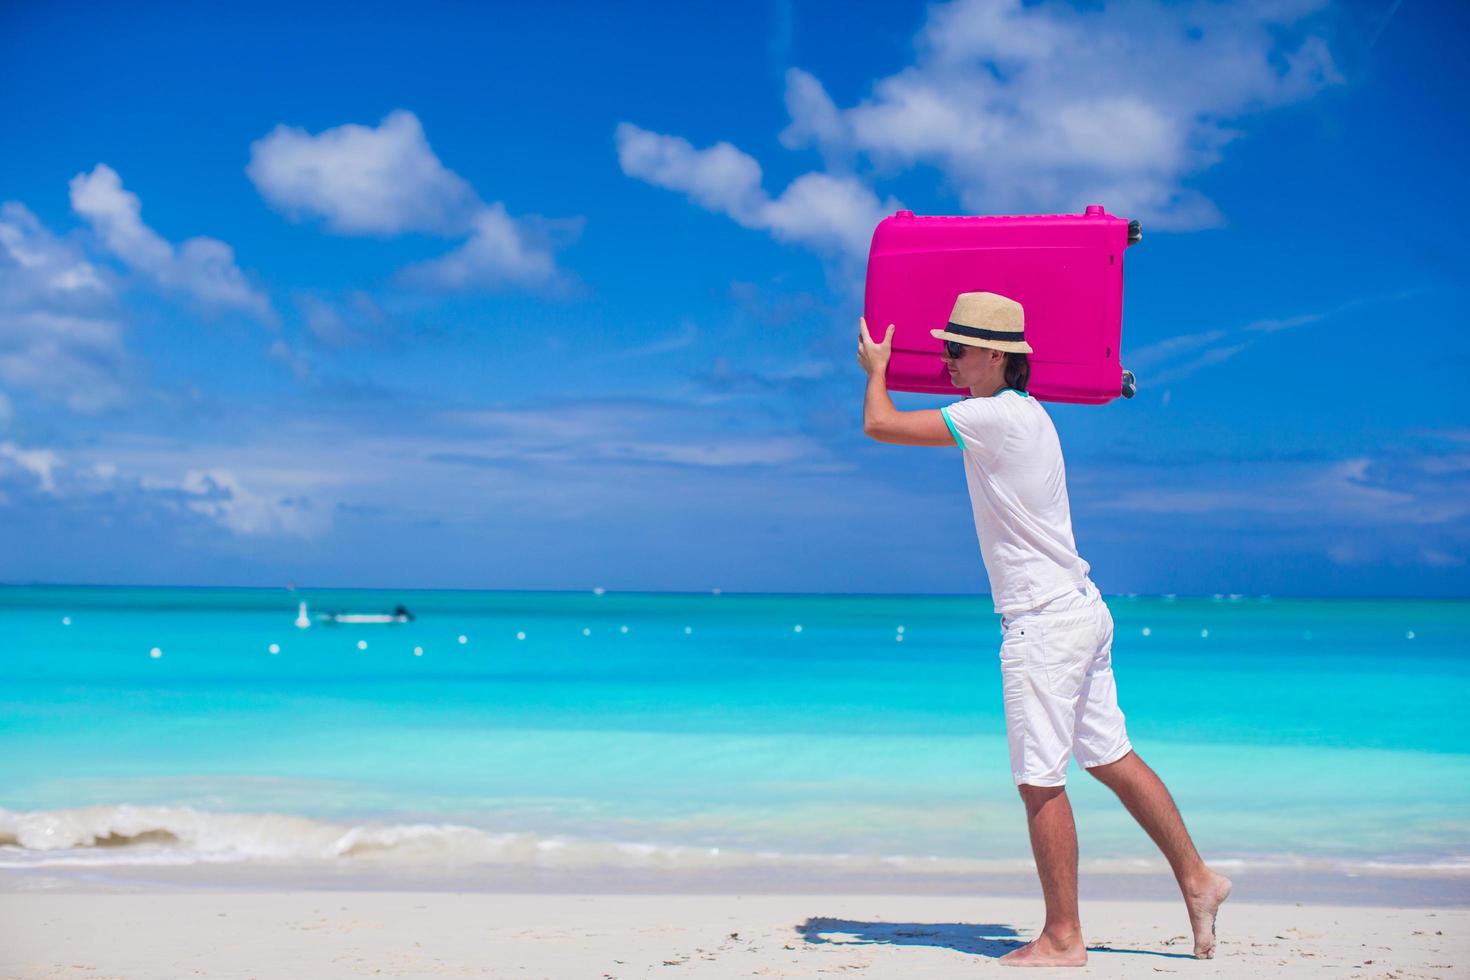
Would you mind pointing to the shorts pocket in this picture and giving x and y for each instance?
(1023, 651)
(1055, 653)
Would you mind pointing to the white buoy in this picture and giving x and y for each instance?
(586, 631)
(302, 620)
(155, 653)
(65, 620)
(688, 630)
(898, 638)
(274, 648)
(362, 644)
(900, 629)
(714, 591)
(599, 591)
(1147, 631)
(463, 639)
(622, 629)
(797, 628)
(520, 636)
(1203, 634)
(1409, 635)
(418, 651)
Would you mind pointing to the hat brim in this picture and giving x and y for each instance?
(1009, 346)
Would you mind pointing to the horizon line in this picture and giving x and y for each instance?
(293, 589)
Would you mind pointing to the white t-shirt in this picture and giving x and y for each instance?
(1018, 489)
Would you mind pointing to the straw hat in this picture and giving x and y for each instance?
(987, 320)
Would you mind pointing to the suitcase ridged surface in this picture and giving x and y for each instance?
(1066, 270)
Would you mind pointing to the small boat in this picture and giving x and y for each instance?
(360, 618)
(399, 615)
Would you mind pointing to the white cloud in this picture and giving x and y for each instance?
(686, 336)
(1183, 369)
(344, 321)
(202, 268)
(1391, 508)
(1022, 108)
(219, 495)
(382, 180)
(831, 214)
(1177, 357)
(296, 362)
(1393, 494)
(1044, 107)
(496, 253)
(1436, 558)
(266, 496)
(386, 180)
(49, 270)
(77, 360)
(815, 119)
(326, 322)
(58, 337)
(623, 432)
(761, 451)
(40, 463)
(290, 479)
(720, 178)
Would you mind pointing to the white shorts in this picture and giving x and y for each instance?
(1056, 667)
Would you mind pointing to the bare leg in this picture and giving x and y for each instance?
(1146, 797)
(1054, 844)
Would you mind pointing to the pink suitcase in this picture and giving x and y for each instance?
(1066, 270)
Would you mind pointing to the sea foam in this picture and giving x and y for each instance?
(125, 834)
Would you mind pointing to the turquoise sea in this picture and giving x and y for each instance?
(505, 731)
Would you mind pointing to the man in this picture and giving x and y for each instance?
(1056, 654)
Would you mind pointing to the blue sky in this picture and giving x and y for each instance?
(532, 298)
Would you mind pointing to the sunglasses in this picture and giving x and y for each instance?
(953, 349)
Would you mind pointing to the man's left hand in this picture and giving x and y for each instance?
(873, 356)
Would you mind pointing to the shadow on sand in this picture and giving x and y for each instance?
(981, 939)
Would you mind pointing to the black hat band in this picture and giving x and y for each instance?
(981, 334)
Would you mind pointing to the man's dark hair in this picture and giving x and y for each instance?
(1018, 371)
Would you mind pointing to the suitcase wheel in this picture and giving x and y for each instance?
(1135, 233)
(1130, 384)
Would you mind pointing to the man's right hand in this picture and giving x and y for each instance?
(873, 356)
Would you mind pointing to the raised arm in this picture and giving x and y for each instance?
(883, 421)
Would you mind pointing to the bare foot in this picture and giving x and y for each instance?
(1043, 951)
(1203, 901)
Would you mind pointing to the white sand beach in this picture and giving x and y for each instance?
(329, 934)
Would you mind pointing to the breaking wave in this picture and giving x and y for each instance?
(124, 834)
